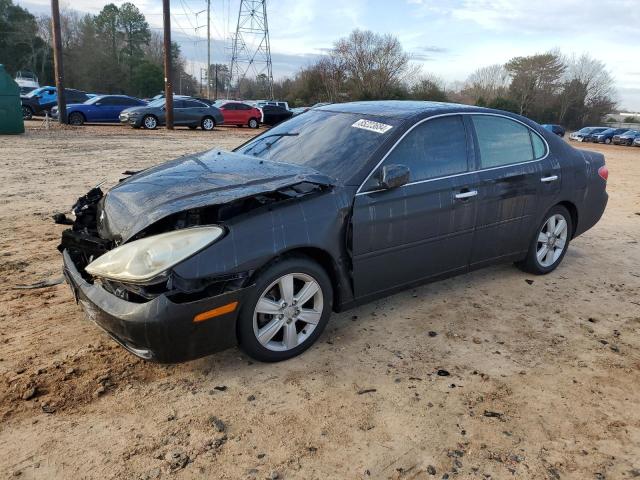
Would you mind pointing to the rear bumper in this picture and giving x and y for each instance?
(158, 330)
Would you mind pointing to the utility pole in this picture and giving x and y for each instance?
(57, 59)
(251, 50)
(216, 84)
(209, 49)
(168, 87)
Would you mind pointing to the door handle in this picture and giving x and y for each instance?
(552, 178)
(467, 194)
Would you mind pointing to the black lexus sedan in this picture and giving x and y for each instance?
(339, 206)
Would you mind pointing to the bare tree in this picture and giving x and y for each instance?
(487, 83)
(372, 64)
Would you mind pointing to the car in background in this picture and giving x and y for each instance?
(41, 100)
(636, 142)
(187, 112)
(583, 132)
(239, 113)
(607, 136)
(557, 129)
(274, 114)
(99, 109)
(27, 81)
(276, 103)
(626, 138)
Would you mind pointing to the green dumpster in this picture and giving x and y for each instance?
(10, 110)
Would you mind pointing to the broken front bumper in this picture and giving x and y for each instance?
(159, 330)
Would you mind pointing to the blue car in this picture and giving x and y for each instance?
(607, 135)
(99, 109)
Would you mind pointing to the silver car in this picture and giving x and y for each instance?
(187, 112)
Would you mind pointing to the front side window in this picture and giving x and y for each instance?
(435, 148)
(503, 141)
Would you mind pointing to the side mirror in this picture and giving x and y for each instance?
(394, 176)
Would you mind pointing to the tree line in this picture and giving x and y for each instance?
(115, 51)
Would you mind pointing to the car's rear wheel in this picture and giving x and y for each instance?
(550, 243)
(27, 113)
(253, 123)
(150, 122)
(287, 310)
(208, 123)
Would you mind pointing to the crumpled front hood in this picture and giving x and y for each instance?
(209, 178)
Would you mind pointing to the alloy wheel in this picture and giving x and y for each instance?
(150, 122)
(552, 240)
(288, 311)
(208, 124)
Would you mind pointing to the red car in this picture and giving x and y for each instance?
(237, 113)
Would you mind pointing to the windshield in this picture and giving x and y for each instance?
(159, 102)
(585, 130)
(35, 92)
(93, 100)
(325, 141)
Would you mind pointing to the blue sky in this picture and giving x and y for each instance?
(449, 38)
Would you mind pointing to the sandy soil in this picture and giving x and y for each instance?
(544, 371)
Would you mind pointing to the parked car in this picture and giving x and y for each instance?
(99, 109)
(240, 114)
(187, 112)
(41, 100)
(334, 208)
(557, 129)
(607, 135)
(273, 114)
(626, 138)
(636, 142)
(583, 132)
(27, 81)
(276, 103)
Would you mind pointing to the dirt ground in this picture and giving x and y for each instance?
(544, 372)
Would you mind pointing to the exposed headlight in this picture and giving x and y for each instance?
(144, 259)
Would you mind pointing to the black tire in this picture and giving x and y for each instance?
(150, 122)
(253, 123)
(208, 124)
(531, 263)
(75, 118)
(263, 279)
(27, 112)
(607, 141)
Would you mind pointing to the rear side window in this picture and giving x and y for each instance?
(435, 148)
(193, 104)
(503, 141)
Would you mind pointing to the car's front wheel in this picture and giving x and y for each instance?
(76, 118)
(287, 310)
(550, 243)
(607, 141)
(208, 123)
(27, 113)
(150, 122)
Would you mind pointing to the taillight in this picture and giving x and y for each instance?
(603, 171)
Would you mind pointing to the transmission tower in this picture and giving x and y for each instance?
(251, 52)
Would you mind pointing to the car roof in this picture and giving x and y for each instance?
(399, 108)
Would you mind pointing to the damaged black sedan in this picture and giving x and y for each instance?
(333, 208)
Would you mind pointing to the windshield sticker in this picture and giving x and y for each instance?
(372, 126)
